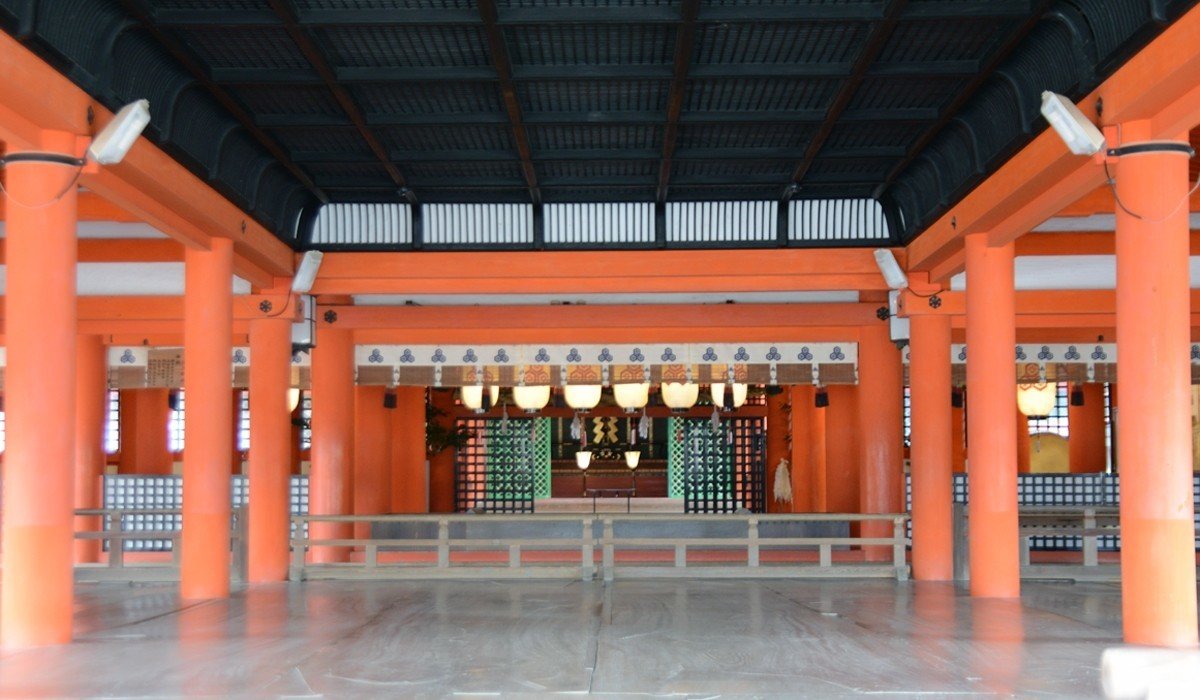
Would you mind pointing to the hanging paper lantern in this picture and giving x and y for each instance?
(680, 397)
(583, 458)
(1037, 400)
(582, 397)
(531, 398)
(632, 458)
(631, 396)
(472, 397)
(739, 393)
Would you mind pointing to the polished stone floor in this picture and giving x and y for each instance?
(657, 638)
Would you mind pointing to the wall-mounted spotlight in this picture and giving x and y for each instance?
(111, 145)
(306, 272)
(1081, 135)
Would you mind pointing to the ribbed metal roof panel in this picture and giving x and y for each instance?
(399, 46)
(593, 96)
(778, 43)
(775, 94)
(591, 44)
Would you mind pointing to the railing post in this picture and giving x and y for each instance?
(898, 548)
(587, 555)
(299, 541)
(370, 555)
(825, 554)
(1091, 543)
(607, 560)
(681, 556)
(116, 547)
(752, 548)
(961, 552)
(443, 559)
(514, 556)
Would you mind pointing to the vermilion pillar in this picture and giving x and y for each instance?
(330, 489)
(372, 456)
(208, 433)
(1023, 442)
(441, 465)
(91, 413)
(270, 449)
(802, 466)
(410, 478)
(842, 453)
(881, 433)
(932, 470)
(818, 462)
(145, 415)
(992, 426)
(37, 578)
(1088, 452)
(1158, 565)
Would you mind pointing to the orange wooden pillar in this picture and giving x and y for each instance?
(145, 415)
(818, 462)
(1158, 564)
(778, 430)
(1023, 443)
(958, 437)
(330, 480)
(270, 449)
(1086, 447)
(372, 456)
(91, 413)
(842, 453)
(36, 580)
(932, 477)
(207, 385)
(880, 432)
(410, 478)
(992, 427)
(802, 467)
(441, 465)
(236, 456)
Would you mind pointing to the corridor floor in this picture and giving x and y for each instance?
(664, 638)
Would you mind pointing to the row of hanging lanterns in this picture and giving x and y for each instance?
(584, 397)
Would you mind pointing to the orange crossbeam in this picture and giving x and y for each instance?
(1158, 84)
(580, 272)
(1063, 303)
(121, 310)
(148, 184)
(117, 250)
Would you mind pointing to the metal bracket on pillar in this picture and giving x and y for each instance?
(1152, 147)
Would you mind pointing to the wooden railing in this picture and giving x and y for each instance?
(115, 532)
(703, 546)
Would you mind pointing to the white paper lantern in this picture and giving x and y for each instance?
(632, 458)
(631, 396)
(1037, 400)
(680, 396)
(583, 458)
(531, 398)
(739, 394)
(472, 396)
(582, 397)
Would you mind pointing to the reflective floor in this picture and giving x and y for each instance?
(683, 638)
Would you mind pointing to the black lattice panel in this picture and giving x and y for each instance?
(723, 469)
(493, 472)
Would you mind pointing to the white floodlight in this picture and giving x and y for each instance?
(118, 136)
(892, 273)
(1081, 136)
(306, 273)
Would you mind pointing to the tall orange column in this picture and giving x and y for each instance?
(958, 438)
(818, 462)
(330, 480)
(992, 426)
(802, 467)
(145, 415)
(410, 479)
(881, 433)
(208, 434)
(842, 454)
(36, 579)
(270, 449)
(1088, 453)
(1023, 443)
(778, 429)
(91, 414)
(1158, 560)
(441, 465)
(932, 469)
(372, 456)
